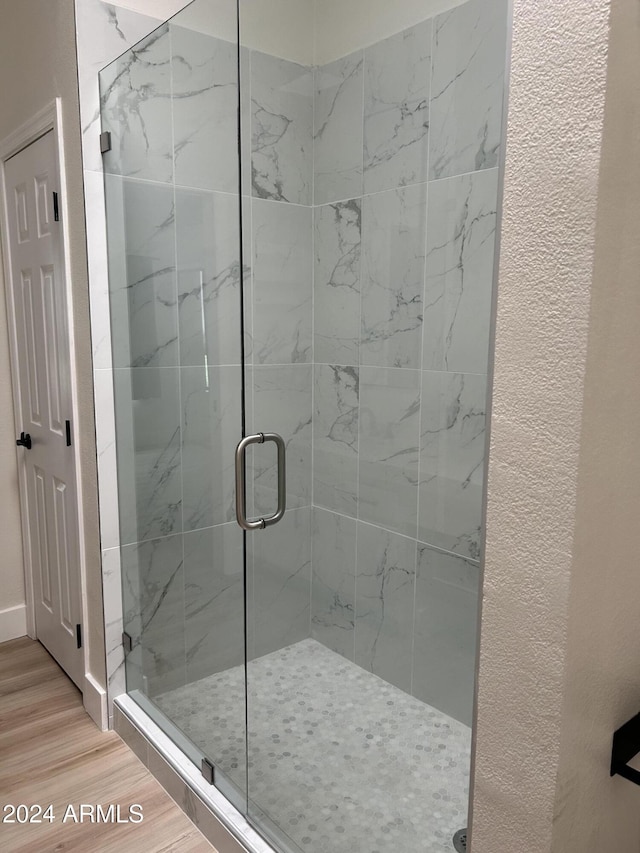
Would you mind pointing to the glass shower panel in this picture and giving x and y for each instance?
(371, 139)
(327, 276)
(170, 105)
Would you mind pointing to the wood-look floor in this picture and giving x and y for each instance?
(52, 752)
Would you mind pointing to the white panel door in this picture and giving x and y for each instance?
(44, 398)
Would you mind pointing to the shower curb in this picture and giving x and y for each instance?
(216, 818)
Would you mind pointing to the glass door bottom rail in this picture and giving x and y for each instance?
(339, 759)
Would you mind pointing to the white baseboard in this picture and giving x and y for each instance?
(13, 623)
(94, 699)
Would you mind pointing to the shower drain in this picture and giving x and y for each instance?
(460, 840)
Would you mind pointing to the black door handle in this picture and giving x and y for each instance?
(24, 440)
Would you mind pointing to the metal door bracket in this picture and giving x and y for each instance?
(105, 142)
(127, 642)
(208, 771)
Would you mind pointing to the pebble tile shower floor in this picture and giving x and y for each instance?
(340, 760)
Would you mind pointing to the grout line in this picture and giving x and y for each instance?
(395, 189)
(424, 288)
(422, 350)
(359, 353)
(419, 541)
(272, 201)
(177, 319)
(134, 179)
(296, 365)
(413, 617)
(313, 327)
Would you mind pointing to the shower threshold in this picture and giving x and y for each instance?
(339, 760)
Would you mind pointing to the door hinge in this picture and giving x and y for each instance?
(56, 209)
(67, 425)
(127, 642)
(79, 636)
(105, 142)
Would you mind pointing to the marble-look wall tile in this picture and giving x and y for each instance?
(142, 273)
(211, 428)
(385, 586)
(246, 107)
(282, 283)
(104, 32)
(147, 404)
(281, 398)
(396, 109)
(107, 458)
(214, 600)
(131, 588)
(97, 257)
(389, 427)
(112, 604)
(336, 286)
(205, 110)
(334, 581)
(393, 266)
(446, 620)
(281, 129)
(279, 611)
(246, 212)
(153, 603)
(337, 138)
(467, 87)
(461, 232)
(452, 461)
(335, 438)
(135, 97)
(209, 281)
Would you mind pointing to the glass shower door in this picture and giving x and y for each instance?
(170, 107)
(370, 151)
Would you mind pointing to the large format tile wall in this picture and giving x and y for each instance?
(369, 227)
(407, 135)
(174, 281)
(103, 32)
(174, 286)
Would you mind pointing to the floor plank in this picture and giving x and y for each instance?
(52, 753)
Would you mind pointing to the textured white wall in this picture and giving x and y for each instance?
(560, 652)
(38, 63)
(602, 681)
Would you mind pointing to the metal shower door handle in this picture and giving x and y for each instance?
(241, 481)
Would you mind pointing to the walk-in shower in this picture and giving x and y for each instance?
(301, 209)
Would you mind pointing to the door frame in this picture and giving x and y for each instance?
(46, 120)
